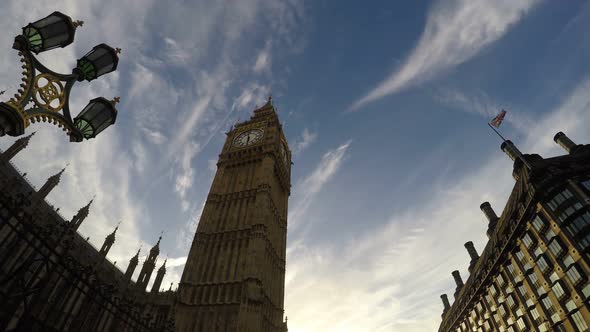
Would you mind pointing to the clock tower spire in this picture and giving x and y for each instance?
(234, 278)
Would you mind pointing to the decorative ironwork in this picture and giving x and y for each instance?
(44, 287)
(49, 91)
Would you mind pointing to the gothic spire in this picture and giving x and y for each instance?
(159, 277)
(81, 215)
(149, 265)
(265, 107)
(51, 183)
(163, 267)
(136, 257)
(132, 265)
(16, 147)
(108, 242)
(156, 249)
(111, 237)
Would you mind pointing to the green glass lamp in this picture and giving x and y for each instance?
(55, 30)
(101, 60)
(99, 114)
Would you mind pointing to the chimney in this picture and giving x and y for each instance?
(473, 254)
(458, 281)
(446, 304)
(511, 150)
(486, 208)
(566, 143)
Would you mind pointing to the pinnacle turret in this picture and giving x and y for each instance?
(81, 215)
(159, 277)
(108, 242)
(156, 249)
(132, 265)
(51, 183)
(16, 147)
(148, 266)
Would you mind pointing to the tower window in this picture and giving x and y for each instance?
(527, 240)
(574, 274)
(535, 314)
(538, 252)
(492, 290)
(534, 279)
(521, 323)
(548, 305)
(543, 264)
(585, 241)
(549, 235)
(520, 256)
(578, 224)
(556, 247)
(490, 303)
(523, 292)
(497, 318)
(511, 270)
(586, 184)
(567, 261)
(579, 321)
(539, 223)
(559, 198)
(510, 301)
(559, 290)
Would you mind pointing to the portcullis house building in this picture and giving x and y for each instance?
(533, 272)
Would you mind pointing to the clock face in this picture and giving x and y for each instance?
(248, 138)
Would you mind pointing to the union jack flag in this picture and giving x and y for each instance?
(497, 121)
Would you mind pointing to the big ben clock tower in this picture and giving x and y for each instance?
(234, 278)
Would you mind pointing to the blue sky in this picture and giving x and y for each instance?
(384, 105)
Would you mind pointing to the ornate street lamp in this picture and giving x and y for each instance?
(49, 91)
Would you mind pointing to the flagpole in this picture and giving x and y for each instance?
(494, 129)
(520, 156)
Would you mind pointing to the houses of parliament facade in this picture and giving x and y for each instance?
(53, 279)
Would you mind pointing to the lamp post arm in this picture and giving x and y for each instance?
(66, 109)
(30, 90)
(43, 69)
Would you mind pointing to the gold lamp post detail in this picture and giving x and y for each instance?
(43, 95)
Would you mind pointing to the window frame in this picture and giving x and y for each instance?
(580, 319)
(551, 244)
(548, 263)
(579, 271)
(566, 293)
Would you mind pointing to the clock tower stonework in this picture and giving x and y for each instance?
(234, 278)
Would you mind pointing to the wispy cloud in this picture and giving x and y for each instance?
(456, 31)
(307, 138)
(484, 105)
(264, 59)
(309, 187)
(184, 179)
(185, 237)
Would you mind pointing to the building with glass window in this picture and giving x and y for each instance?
(533, 272)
